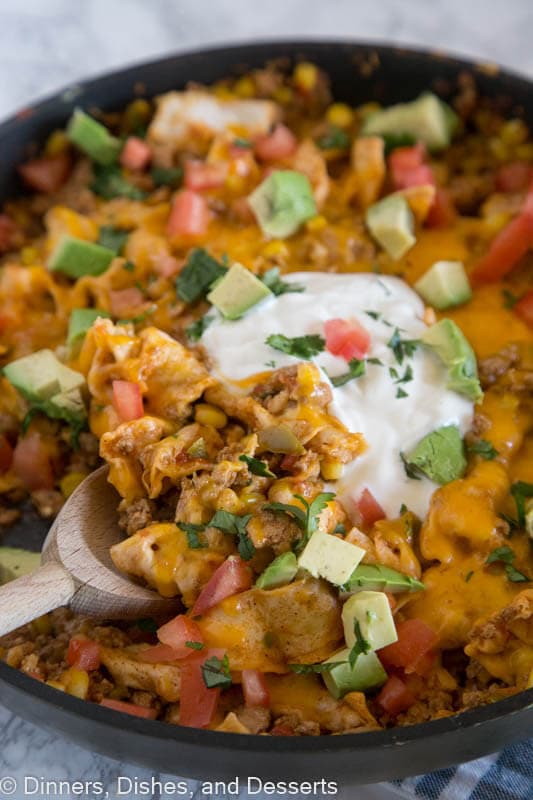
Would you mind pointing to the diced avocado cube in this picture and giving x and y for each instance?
(93, 138)
(15, 562)
(282, 202)
(80, 321)
(326, 556)
(279, 572)
(367, 673)
(378, 578)
(76, 258)
(427, 119)
(68, 406)
(237, 291)
(448, 342)
(372, 612)
(392, 224)
(440, 455)
(444, 285)
(41, 375)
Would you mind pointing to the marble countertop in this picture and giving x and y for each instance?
(49, 43)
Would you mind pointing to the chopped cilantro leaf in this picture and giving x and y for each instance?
(147, 624)
(361, 646)
(271, 364)
(298, 346)
(394, 140)
(373, 314)
(306, 520)
(402, 348)
(506, 556)
(108, 182)
(484, 449)
(336, 139)
(113, 238)
(375, 361)
(469, 575)
(198, 274)
(244, 144)
(257, 467)
(356, 369)
(514, 575)
(193, 532)
(272, 279)
(196, 329)
(235, 525)
(401, 393)
(167, 176)
(410, 470)
(195, 645)
(310, 669)
(407, 375)
(129, 266)
(216, 674)
(509, 299)
(520, 490)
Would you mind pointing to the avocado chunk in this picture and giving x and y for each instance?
(15, 562)
(444, 285)
(378, 578)
(80, 321)
(447, 340)
(93, 138)
(427, 119)
(279, 572)
(372, 613)
(392, 224)
(440, 455)
(367, 673)
(326, 556)
(49, 386)
(237, 291)
(76, 258)
(282, 202)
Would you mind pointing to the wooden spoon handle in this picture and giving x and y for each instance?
(28, 597)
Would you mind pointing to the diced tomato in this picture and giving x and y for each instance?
(46, 174)
(189, 215)
(6, 453)
(198, 704)
(280, 143)
(369, 508)
(136, 154)
(124, 300)
(346, 338)
(8, 233)
(160, 653)
(129, 708)
(178, 632)
(395, 696)
(199, 175)
(524, 309)
(127, 400)
(407, 167)
(415, 641)
(513, 177)
(282, 730)
(442, 213)
(232, 577)
(255, 688)
(83, 654)
(31, 462)
(506, 250)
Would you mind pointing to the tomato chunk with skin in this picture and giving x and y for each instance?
(280, 143)
(255, 688)
(136, 154)
(415, 642)
(407, 167)
(369, 508)
(200, 175)
(46, 174)
(6, 453)
(129, 708)
(505, 251)
(83, 654)
(395, 696)
(189, 215)
(32, 464)
(442, 213)
(232, 577)
(127, 400)
(176, 633)
(198, 704)
(524, 308)
(122, 301)
(346, 338)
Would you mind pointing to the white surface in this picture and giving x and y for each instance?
(368, 405)
(46, 44)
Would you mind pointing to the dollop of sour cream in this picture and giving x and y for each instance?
(393, 404)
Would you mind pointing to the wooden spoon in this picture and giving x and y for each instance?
(77, 569)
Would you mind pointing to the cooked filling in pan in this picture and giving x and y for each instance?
(300, 335)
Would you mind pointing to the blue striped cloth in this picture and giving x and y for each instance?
(504, 776)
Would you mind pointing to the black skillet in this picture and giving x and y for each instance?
(359, 73)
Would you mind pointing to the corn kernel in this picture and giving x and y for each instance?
(305, 76)
(514, 132)
(283, 95)
(70, 481)
(206, 414)
(76, 682)
(316, 224)
(331, 469)
(244, 87)
(340, 115)
(42, 625)
(496, 222)
(56, 143)
(29, 255)
(275, 248)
